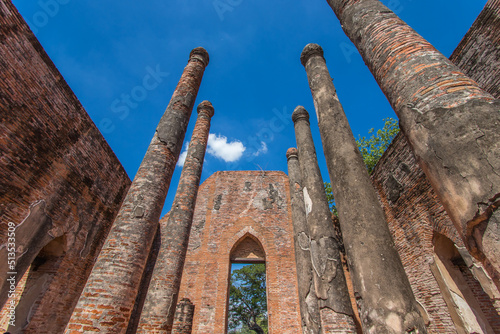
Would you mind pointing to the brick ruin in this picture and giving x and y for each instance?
(75, 212)
(61, 183)
(241, 217)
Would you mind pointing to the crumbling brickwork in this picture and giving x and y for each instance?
(61, 186)
(452, 125)
(109, 296)
(183, 319)
(159, 306)
(414, 215)
(60, 183)
(412, 208)
(230, 207)
(145, 281)
(478, 54)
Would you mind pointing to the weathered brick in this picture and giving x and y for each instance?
(478, 52)
(76, 186)
(120, 265)
(452, 125)
(413, 210)
(58, 176)
(183, 320)
(230, 207)
(159, 306)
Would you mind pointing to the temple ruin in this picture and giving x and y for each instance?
(422, 246)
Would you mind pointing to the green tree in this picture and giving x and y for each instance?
(247, 300)
(372, 150)
(330, 199)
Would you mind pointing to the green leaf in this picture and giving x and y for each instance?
(247, 299)
(372, 149)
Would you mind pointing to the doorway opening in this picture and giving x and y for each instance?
(34, 284)
(470, 307)
(247, 297)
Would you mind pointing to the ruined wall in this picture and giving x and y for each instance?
(412, 208)
(60, 183)
(413, 213)
(230, 206)
(478, 54)
(183, 318)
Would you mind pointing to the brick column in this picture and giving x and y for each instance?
(383, 292)
(183, 320)
(309, 310)
(453, 126)
(328, 275)
(107, 300)
(159, 307)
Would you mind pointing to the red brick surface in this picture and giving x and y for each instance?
(159, 307)
(54, 156)
(392, 50)
(109, 296)
(416, 213)
(478, 54)
(183, 319)
(51, 154)
(489, 306)
(412, 218)
(230, 206)
(439, 109)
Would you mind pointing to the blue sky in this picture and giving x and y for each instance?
(105, 49)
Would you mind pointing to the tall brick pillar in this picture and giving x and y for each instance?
(453, 126)
(159, 307)
(183, 319)
(383, 292)
(309, 310)
(328, 276)
(108, 298)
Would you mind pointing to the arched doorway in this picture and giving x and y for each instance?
(35, 282)
(459, 289)
(247, 297)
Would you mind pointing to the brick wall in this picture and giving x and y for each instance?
(478, 54)
(489, 307)
(183, 318)
(413, 213)
(412, 208)
(60, 183)
(230, 206)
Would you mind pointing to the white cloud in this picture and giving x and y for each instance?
(219, 147)
(182, 157)
(262, 149)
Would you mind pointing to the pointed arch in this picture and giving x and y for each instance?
(247, 249)
(247, 225)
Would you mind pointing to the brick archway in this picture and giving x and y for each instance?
(247, 249)
(231, 207)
